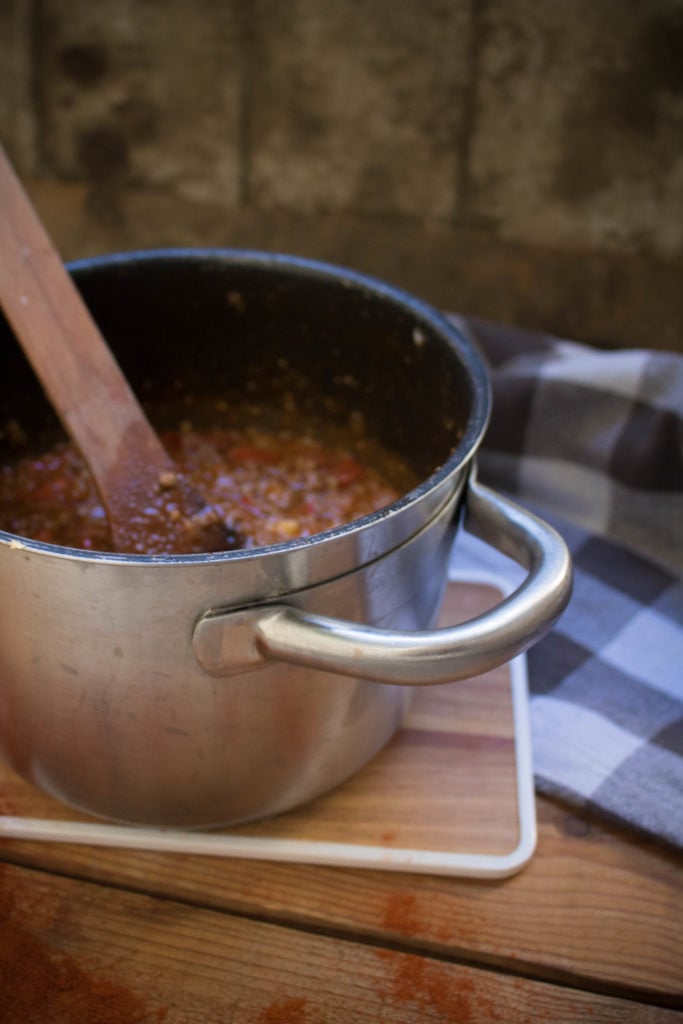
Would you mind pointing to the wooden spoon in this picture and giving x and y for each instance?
(152, 509)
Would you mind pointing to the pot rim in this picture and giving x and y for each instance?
(421, 311)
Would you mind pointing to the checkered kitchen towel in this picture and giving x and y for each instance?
(593, 442)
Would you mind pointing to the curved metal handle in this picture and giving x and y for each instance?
(226, 643)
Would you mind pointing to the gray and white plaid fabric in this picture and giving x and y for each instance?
(593, 442)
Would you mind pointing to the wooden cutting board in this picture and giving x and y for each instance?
(444, 796)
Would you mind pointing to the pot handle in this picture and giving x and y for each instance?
(227, 643)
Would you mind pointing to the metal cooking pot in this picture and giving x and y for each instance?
(208, 689)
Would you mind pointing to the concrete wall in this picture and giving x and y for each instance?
(517, 159)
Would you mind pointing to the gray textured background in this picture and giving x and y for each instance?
(515, 159)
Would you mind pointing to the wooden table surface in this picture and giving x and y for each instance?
(591, 929)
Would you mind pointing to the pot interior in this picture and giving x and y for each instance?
(213, 336)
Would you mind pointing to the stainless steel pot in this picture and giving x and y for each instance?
(202, 690)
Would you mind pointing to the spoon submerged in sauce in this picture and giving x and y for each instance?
(152, 509)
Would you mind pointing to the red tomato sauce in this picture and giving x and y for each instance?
(269, 487)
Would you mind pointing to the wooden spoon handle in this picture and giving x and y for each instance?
(67, 351)
(145, 499)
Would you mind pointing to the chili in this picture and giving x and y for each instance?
(268, 486)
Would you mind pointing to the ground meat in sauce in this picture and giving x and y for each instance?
(270, 487)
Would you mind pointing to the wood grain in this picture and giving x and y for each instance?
(596, 907)
(591, 909)
(182, 965)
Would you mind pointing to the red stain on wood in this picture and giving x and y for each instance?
(434, 990)
(285, 1011)
(401, 914)
(7, 806)
(38, 984)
